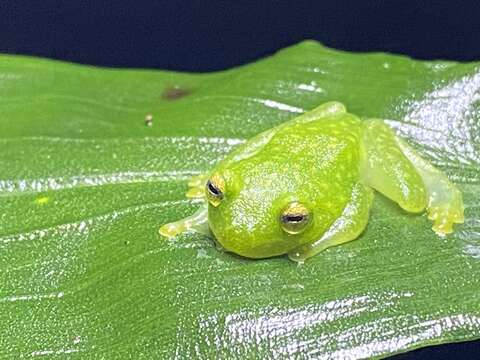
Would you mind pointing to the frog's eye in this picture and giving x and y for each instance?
(215, 190)
(294, 218)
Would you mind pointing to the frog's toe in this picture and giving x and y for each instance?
(197, 180)
(170, 230)
(195, 193)
(298, 257)
(196, 186)
(444, 217)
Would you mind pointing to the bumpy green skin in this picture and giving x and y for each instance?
(328, 160)
(316, 163)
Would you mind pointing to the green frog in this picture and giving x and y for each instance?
(308, 184)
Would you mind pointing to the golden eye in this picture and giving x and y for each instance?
(295, 218)
(215, 190)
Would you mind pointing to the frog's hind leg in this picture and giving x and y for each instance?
(445, 203)
(397, 171)
(347, 227)
(386, 169)
(197, 186)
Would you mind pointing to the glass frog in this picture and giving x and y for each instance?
(308, 184)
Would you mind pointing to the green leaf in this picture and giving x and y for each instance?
(85, 185)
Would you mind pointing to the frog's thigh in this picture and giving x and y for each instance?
(388, 170)
(445, 203)
(347, 227)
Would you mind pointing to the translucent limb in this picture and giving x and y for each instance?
(197, 221)
(346, 228)
(388, 170)
(445, 202)
(197, 180)
(197, 186)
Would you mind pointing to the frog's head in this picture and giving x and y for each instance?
(260, 215)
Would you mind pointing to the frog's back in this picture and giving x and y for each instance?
(321, 157)
(319, 141)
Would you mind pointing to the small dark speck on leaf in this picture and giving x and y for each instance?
(175, 93)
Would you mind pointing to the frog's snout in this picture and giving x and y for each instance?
(258, 239)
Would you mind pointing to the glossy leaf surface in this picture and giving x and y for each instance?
(85, 185)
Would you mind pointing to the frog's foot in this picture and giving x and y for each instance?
(198, 180)
(198, 221)
(197, 186)
(195, 193)
(444, 199)
(445, 208)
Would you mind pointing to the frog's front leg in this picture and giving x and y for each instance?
(197, 221)
(347, 227)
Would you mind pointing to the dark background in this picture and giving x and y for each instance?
(208, 35)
